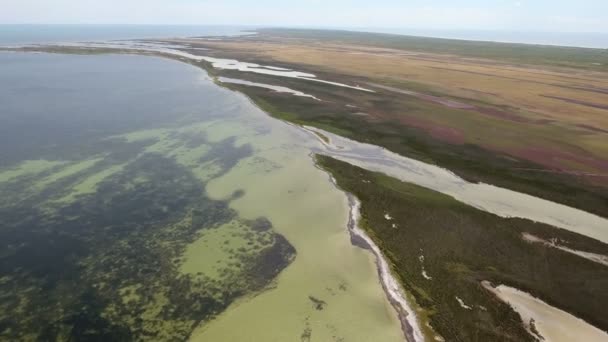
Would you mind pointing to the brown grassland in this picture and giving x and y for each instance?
(535, 120)
(562, 112)
(529, 118)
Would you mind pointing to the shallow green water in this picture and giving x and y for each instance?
(141, 201)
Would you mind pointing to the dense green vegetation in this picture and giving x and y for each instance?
(467, 160)
(462, 246)
(586, 58)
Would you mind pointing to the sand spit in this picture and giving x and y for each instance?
(496, 200)
(599, 258)
(391, 286)
(545, 321)
(233, 64)
(217, 63)
(278, 89)
(499, 201)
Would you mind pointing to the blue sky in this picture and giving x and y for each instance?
(513, 15)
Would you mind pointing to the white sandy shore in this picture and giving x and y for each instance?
(553, 324)
(233, 64)
(499, 201)
(503, 202)
(218, 63)
(599, 258)
(389, 282)
(276, 88)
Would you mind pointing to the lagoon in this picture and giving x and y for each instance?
(182, 209)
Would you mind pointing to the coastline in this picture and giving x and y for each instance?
(391, 286)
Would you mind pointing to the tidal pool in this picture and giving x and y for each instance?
(174, 203)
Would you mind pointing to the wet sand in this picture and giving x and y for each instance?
(393, 289)
(499, 201)
(281, 182)
(320, 237)
(278, 89)
(599, 258)
(554, 325)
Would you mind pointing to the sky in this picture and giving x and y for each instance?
(507, 15)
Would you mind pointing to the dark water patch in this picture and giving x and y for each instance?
(86, 324)
(190, 139)
(237, 194)
(271, 261)
(23, 189)
(317, 303)
(226, 155)
(261, 224)
(69, 269)
(210, 214)
(100, 96)
(307, 332)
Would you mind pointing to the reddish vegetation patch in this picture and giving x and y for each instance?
(480, 92)
(444, 102)
(582, 103)
(559, 159)
(504, 115)
(591, 128)
(444, 133)
(588, 89)
(495, 112)
(430, 98)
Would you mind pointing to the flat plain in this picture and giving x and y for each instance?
(527, 118)
(530, 118)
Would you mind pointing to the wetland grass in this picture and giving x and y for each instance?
(463, 246)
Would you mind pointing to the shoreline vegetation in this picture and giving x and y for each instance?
(204, 152)
(468, 161)
(437, 107)
(396, 295)
(466, 311)
(463, 246)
